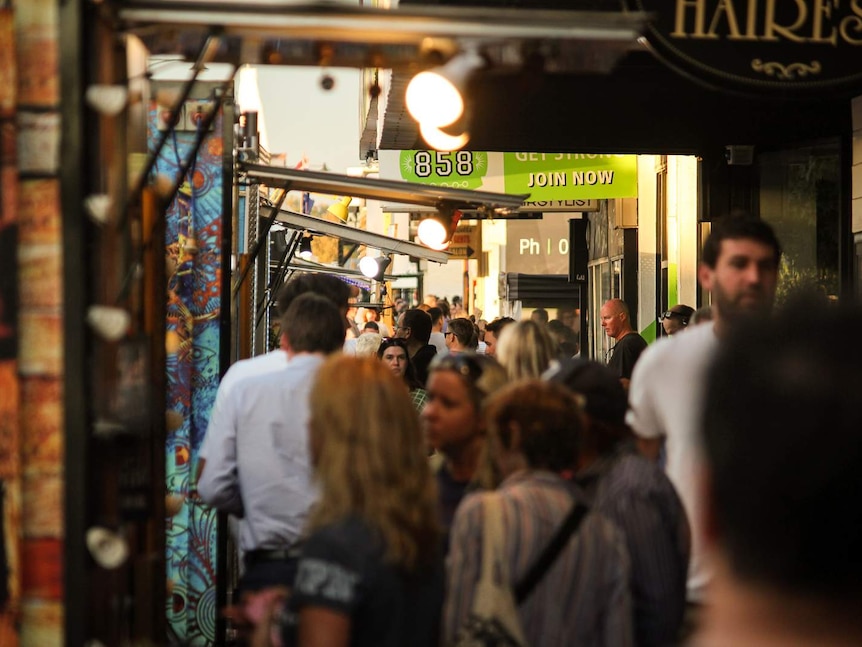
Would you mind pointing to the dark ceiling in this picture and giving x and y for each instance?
(642, 107)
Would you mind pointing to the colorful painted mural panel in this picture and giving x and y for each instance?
(193, 248)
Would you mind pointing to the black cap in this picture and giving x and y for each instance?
(606, 398)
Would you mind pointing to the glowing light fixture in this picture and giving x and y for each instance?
(435, 97)
(436, 231)
(305, 247)
(374, 268)
(340, 208)
(441, 141)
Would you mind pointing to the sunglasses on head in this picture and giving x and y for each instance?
(467, 365)
(393, 341)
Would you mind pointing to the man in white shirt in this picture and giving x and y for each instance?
(330, 287)
(276, 360)
(740, 269)
(258, 466)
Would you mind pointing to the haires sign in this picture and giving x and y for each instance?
(768, 45)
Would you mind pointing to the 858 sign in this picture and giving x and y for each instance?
(457, 169)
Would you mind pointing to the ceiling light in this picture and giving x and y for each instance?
(435, 97)
(436, 231)
(440, 141)
(374, 268)
(340, 209)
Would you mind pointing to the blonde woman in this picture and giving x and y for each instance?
(526, 350)
(370, 571)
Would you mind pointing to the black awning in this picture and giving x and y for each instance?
(542, 290)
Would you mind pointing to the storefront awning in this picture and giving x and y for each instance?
(542, 290)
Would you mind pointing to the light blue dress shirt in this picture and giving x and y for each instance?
(257, 458)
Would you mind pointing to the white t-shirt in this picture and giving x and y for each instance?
(438, 341)
(666, 400)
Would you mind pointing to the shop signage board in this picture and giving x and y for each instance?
(538, 246)
(456, 169)
(592, 177)
(567, 176)
(799, 46)
(567, 206)
(466, 242)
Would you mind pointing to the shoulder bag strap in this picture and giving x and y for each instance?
(550, 553)
(492, 537)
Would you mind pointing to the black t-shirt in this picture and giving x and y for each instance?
(342, 569)
(421, 360)
(625, 354)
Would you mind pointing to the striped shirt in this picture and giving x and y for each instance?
(583, 599)
(637, 496)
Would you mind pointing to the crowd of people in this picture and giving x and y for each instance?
(496, 487)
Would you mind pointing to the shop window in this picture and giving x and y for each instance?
(800, 193)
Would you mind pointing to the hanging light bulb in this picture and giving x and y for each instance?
(441, 141)
(305, 247)
(435, 97)
(436, 231)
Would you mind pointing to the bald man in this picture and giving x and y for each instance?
(616, 323)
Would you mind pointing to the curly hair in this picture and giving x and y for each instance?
(369, 458)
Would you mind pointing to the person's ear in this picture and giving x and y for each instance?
(704, 276)
(284, 343)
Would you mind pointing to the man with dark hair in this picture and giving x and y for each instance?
(740, 268)
(258, 465)
(327, 286)
(333, 288)
(415, 327)
(492, 334)
(617, 324)
(783, 447)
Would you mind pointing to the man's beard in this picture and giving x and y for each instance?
(733, 309)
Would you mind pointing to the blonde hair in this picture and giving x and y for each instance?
(370, 460)
(367, 344)
(526, 350)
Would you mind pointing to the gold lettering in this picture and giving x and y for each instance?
(851, 27)
(751, 21)
(699, 18)
(821, 9)
(852, 24)
(771, 28)
(725, 7)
